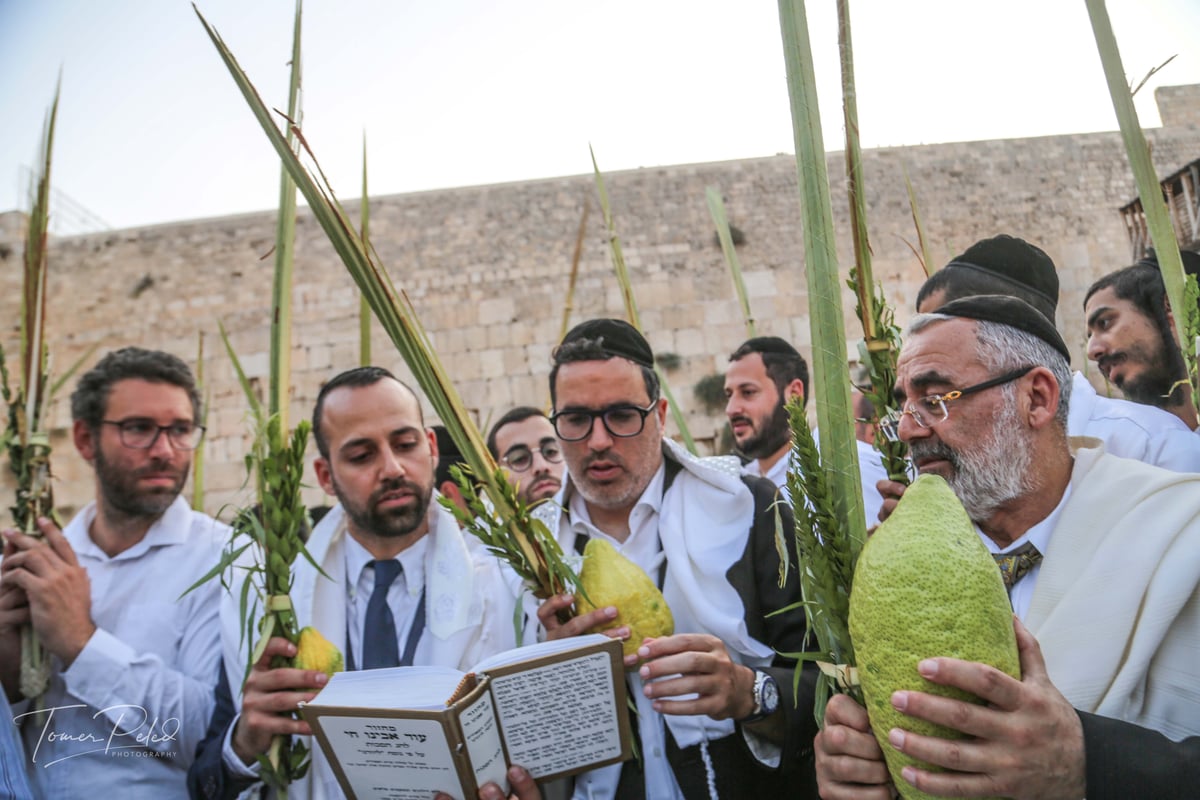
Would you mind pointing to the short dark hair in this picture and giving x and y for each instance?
(352, 378)
(587, 349)
(960, 283)
(1142, 285)
(783, 362)
(518, 414)
(89, 401)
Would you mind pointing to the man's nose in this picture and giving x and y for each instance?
(908, 428)
(392, 466)
(599, 439)
(162, 447)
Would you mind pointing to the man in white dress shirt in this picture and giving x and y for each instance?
(134, 662)
(764, 374)
(438, 604)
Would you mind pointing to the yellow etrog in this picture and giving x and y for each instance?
(314, 651)
(925, 586)
(611, 579)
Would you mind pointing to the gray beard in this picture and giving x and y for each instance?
(993, 472)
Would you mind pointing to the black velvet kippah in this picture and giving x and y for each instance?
(615, 337)
(1017, 262)
(1010, 311)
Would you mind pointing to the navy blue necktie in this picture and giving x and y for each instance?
(380, 647)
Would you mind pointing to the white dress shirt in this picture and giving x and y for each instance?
(1039, 537)
(870, 469)
(404, 595)
(1132, 430)
(147, 673)
(643, 548)
(467, 614)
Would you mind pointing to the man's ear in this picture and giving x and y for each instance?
(324, 475)
(433, 448)
(661, 411)
(1043, 396)
(85, 440)
(794, 389)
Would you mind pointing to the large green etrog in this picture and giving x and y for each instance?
(925, 586)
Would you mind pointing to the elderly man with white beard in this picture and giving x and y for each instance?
(983, 386)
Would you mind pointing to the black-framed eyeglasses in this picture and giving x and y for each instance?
(520, 458)
(622, 421)
(137, 433)
(931, 409)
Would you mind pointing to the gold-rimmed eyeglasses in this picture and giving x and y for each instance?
(931, 409)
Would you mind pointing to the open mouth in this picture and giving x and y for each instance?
(603, 470)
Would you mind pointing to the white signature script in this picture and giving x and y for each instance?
(131, 728)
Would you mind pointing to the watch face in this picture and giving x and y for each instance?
(770, 696)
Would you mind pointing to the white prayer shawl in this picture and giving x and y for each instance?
(459, 630)
(1117, 604)
(704, 526)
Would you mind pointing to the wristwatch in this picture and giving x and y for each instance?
(766, 697)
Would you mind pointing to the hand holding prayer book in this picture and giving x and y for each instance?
(556, 708)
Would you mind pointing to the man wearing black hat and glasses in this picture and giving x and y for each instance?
(1105, 558)
(715, 710)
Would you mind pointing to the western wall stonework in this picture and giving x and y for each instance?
(487, 269)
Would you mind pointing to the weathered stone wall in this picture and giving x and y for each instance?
(1178, 106)
(487, 269)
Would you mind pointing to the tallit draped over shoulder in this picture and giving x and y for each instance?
(1117, 604)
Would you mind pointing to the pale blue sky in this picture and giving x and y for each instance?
(465, 92)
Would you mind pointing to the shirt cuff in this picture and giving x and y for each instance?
(231, 760)
(767, 752)
(95, 672)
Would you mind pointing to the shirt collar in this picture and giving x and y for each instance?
(172, 527)
(1038, 535)
(777, 474)
(411, 558)
(646, 508)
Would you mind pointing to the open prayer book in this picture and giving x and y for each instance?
(556, 708)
